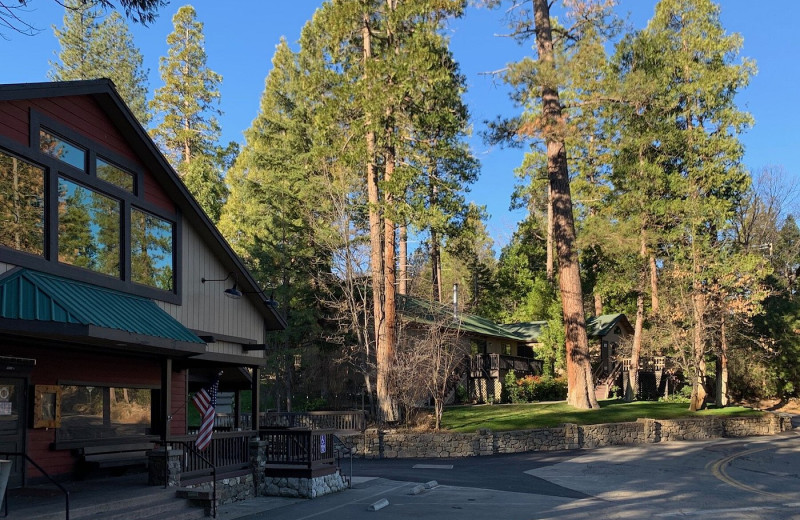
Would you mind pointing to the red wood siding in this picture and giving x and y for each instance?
(179, 398)
(83, 115)
(14, 115)
(59, 365)
(154, 194)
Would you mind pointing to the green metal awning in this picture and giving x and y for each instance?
(39, 304)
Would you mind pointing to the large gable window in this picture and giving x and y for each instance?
(21, 205)
(151, 250)
(77, 207)
(88, 229)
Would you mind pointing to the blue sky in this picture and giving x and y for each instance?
(241, 38)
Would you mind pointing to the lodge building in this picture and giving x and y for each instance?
(114, 284)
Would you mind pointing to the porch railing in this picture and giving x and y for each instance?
(299, 447)
(228, 451)
(350, 420)
(33, 463)
(484, 365)
(521, 365)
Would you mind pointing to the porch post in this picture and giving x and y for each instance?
(255, 390)
(166, 396)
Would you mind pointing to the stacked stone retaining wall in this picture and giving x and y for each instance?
(564, 437)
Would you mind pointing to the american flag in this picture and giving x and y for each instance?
(206, 403)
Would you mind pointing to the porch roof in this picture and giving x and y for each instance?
(39, 304)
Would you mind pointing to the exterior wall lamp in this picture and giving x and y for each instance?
(234, 292)
(231, 292)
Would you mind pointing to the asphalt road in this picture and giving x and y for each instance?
(756, 478)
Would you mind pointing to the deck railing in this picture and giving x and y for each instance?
(299, 447)
(351, 420)
(227, 451)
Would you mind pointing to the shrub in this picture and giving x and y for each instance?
(510, 388)
(543, 388)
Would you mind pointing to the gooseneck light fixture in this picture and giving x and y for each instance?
(231, 292)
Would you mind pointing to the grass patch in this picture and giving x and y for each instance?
(508, 417)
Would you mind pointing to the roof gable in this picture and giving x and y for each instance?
(118, 116)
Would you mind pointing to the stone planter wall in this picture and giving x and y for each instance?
(564, 437)
(304, 487)
(251, 483)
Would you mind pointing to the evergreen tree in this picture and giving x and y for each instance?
(705, 176)
(187, 109)
(558, 91)
(95, 47)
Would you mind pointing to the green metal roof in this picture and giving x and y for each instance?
(34, 296)
(596, 326)
(430, 312)
(530, 330)
(599, 326)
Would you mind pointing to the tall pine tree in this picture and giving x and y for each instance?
(187, 107)
(95, 47)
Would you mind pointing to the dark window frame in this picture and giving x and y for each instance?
(55, 168)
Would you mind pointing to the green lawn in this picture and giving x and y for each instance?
(505, 417)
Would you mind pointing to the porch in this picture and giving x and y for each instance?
(487, 372)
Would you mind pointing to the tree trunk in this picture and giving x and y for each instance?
(721, 399)
(653, 284)
(549, 265)
(579, 374)
(376, 247)
(598, 304)
(436, 267)
(386, 352)
(636, 348)
(698, 398)
(402, 271)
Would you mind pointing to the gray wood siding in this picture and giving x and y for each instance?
(205, 306)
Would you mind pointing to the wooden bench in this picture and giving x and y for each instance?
(115, 456)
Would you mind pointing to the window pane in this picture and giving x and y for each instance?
(101, 412)
(62, 150)
(88, 229)
(21, 205)
(116, 176)
(151, 250)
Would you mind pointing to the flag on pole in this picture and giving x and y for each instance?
(205, 401)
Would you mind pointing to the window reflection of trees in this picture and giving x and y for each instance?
(151, 250)
(88, 229)
(21, 205)
(116, 176)
(97, 412)
(62, 150)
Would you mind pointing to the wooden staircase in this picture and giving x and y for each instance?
(604, 382)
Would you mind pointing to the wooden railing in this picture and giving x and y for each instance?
(351, 420)
(299, 447)
(227, 451)
(520, 365)
(484, 365)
